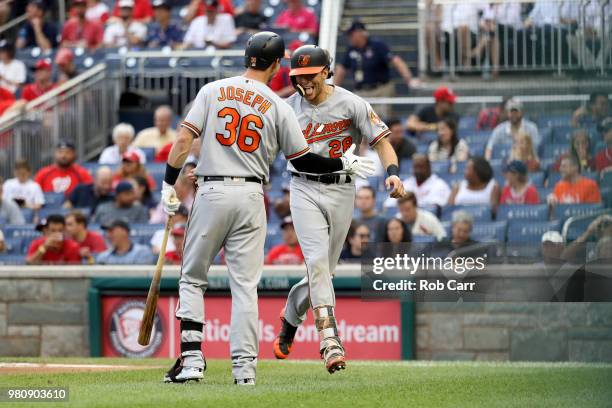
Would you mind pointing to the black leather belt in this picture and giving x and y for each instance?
(325, 178)
(222, 178)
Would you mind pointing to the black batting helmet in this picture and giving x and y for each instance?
(310, 59)
(263, 49)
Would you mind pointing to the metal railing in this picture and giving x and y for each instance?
(81, 111)
(459, 36)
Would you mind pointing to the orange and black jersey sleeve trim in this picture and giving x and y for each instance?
(382, 135)
(298, 154)
(194, 129)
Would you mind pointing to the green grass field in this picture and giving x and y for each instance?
(306, 384)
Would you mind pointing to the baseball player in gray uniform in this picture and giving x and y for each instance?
(242, 124)
(333, 120)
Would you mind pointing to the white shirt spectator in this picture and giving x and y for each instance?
(29, 191)
(14, 71)
(115, 34)
(461, 153)
(111, 155)
(433, 191)
(96, 12)
(199, 32)
(545, 13)
(158, 237)
(427, 224)
(503, 133)
(509, 14)
(465, 196)
(458, 15)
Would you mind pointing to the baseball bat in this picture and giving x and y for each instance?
(148, 317)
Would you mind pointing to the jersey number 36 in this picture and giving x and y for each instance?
(240, 130)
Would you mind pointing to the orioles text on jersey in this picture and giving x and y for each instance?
(250, 98)
(318, 132)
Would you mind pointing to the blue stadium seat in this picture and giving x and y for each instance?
(538, 212)
(489, 231)
(406, 165)
(47, 211)
(12, 259)
(479, 212)
(477, 148)
(149, 153)
(467, 123)
(428, 137)
(537, 178)
(54, 199)
(422, 148)
(142, 233)
(527, 231)
(14, 245)
(28, 215)
(564, 211)
(553, 150)
(452, 179)
(23, 231)
(92, 167)
(553, 120)
(501, 151)
(606, 196)
(475, 136)
(423, 239)
(562, 134)
(440, 167)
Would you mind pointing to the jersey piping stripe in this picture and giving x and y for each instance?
(298, 154)
(319, 138)
(379, 137)
(191, 127)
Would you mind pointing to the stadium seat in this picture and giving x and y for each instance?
(537, 178)
(91, 167)
(538, 212)
(14, 245)
(428, 137)
(553, 150)
(489, 231)
(467, 123)
(553, 120)
(142, 233)
(28, 215)
(562, 212)
(479, 212)
(527, 231)
(47, 211)
(501, 151)
(440, 167)
(423, 239)
(12, 259)
(54, 199)
(149, 153)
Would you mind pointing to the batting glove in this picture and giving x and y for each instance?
(170, 201)
(357, 165)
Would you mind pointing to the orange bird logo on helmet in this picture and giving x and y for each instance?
(303, 60)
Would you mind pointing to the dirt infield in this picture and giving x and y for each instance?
(24, 368)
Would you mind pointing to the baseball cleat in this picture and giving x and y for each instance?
(180, 373)
(245, 381)
(284, 341)
(333, 355)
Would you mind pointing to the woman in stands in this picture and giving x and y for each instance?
(478, 185)
(358, 236)
(131, 168)
(448, 146)
(523, 151)
(518, 188)
(396, 231)
(580, 148)
(143, 192)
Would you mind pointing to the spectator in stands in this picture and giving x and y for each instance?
(37, 31)
(64, 175)
(93, 194)
(64, 59)
(478, 185)
(369, 60)
(573, 188)
(603, 158)
(404, 148)
(523, 150)
(461, 230)
(250, 19)
(130, 168)
(9, 210)
(289, 252)
(78, 31)
(122, 250)
(2, 242)
(460, 21)
(599, 228)
(508, 131)
(8, 102)
(124, 206)
(54, 247)
(448, 146)
(159, 135)
(198, 8)
(594, 112)
(141, 10)
(97, 11)
(42, 81)
(89, 242)
(162, 32)
(281, 204)
(185, 191)
(580, 149)
(280, 82)
(518, 188)
(212, 29)
(13, 72)
(358, 237)
(180, 217)
(123, 135)
(298, 18)
(175, 256)
(365, 201)
(489, 41)
(428, 188)
(22, 189)
(396, 231)
(426, 119)
(421, 222)
(489, 118)
(144, 195)
(127, 30)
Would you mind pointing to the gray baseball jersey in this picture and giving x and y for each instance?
(331, 127)
(245, 125)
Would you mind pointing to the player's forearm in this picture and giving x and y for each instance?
(178, 155)
(386, 154)
(315, 164)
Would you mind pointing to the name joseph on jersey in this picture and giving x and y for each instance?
(230, 93)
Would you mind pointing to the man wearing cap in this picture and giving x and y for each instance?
(53, 247)
(13, 72)
(508, 131)
(123, 135)
(64, 175)
(131, 168)
(175, 256)
(80, 32)
(36, 30)
(212, 29)
(91, 195)
(289, 252)
(426, 119)
(125, 31)
(298, 18)
(124, 206)
(42, 81)
(518, 188)
(64, 59)
(161, 32)
(250, 19)
(142, 10)
(122, 250)
(369, 60)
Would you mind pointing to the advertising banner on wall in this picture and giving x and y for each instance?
(370, 330)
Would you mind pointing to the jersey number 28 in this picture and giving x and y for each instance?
(239, 130)
(337, 147)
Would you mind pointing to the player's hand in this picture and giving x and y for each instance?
(170, 201)
(398, 186)
(359, 166)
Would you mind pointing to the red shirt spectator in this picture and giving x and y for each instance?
(297, 18)
(163, 153)
(93, 241)
(64, 175)
(96, 11)
(528, 196)
(289, 252)
(280, 80)
(7, 99)
(67, 253)
(82, 32)
(130, 167)
(603, 159)
(225, 6)
(142, 10)
(42, 81)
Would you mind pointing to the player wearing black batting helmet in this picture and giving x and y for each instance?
(309, 60)
(263, 49)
